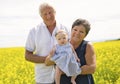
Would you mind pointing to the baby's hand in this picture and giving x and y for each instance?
(78, 60)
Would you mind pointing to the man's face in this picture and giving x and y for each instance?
(48, 15)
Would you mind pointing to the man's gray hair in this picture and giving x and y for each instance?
(45, 5)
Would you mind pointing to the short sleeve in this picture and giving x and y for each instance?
(30, 42)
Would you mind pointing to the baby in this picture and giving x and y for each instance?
(65, 58)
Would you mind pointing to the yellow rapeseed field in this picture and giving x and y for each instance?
(108, 62)
(14, 69)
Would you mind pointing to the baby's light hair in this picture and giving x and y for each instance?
(60, 31)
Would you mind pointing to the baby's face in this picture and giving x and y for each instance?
(62, 38)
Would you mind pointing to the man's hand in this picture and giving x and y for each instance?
(48, 62)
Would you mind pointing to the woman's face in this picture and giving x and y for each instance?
(78, 33)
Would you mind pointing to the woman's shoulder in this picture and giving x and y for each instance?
(85, 42)
(88, 43)
(89, 46)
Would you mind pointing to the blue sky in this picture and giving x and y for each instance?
(18, 16)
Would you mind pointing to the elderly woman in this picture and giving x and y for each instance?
(85, 52)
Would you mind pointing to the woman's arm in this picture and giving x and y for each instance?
(29, 56)
(90, 57)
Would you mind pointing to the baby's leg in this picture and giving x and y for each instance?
(58, 73)
(73, 79)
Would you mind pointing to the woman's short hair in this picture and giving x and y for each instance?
(83, 22)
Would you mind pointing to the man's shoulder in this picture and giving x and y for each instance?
(61, 25)
(38, 26)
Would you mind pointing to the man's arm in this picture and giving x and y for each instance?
(29, 56)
